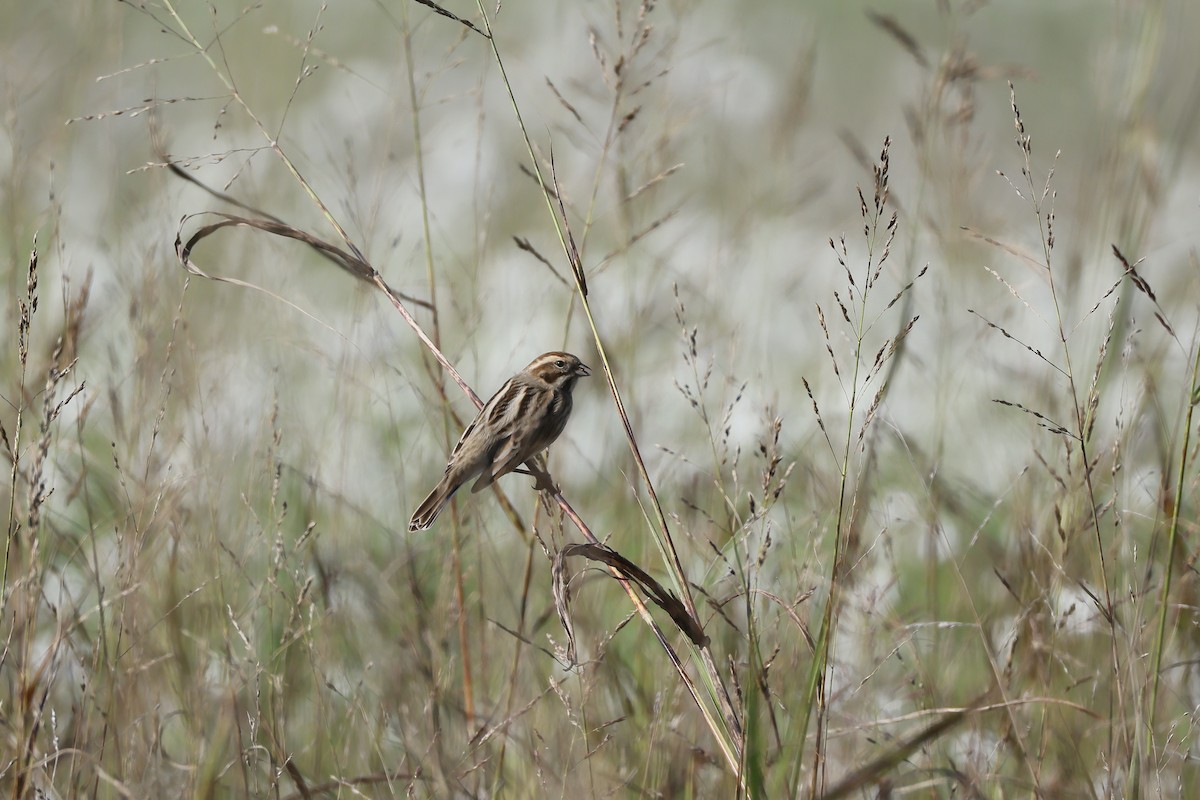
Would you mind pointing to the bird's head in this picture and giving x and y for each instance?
(558, 369)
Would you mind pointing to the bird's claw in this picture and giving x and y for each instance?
(543, 483)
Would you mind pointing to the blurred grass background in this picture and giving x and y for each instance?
(208, 589)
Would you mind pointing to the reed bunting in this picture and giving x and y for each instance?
(520, 421)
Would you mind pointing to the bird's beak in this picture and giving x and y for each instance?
(583, 370)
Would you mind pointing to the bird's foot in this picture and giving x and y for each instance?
(542, 480)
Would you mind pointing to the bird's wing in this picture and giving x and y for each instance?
(511, 453)
(491, 422)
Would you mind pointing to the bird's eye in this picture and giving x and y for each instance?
(560, 364)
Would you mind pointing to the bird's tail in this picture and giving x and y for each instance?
(432, 505)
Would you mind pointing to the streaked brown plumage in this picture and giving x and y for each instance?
(520, 421)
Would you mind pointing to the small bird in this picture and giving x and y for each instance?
(520, 421)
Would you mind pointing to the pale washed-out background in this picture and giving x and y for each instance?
(756, 110)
